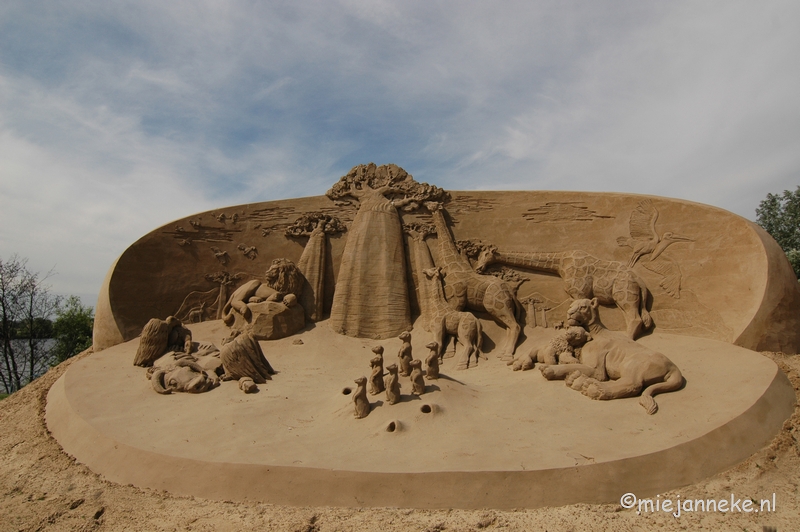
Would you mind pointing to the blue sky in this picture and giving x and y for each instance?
(118, 117)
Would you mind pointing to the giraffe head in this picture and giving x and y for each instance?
(434, 273)
(487, 257)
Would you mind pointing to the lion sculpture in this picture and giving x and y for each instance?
(268, 309)
(281, 279)
(612, 365)
(561, 349)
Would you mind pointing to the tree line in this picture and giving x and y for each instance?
(779, 215)
(38, 329)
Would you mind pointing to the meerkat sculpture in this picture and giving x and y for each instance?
(392, 384)
(360, 398)
(405, 354)
(376, 377)
(432, 362)
(417, 382)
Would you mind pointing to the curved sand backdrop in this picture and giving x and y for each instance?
(486, 437)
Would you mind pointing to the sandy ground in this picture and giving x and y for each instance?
(44, 489)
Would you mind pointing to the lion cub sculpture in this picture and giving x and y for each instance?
(614, 366)
(561, 349)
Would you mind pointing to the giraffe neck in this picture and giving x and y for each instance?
(548, 262)
(422, 261)
(451, 259)
(438, 302)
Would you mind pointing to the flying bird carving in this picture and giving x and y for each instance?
(670, 274)
(644, 239)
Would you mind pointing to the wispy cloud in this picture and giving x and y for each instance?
(116, 118)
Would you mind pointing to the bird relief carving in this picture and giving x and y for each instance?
(648, 247)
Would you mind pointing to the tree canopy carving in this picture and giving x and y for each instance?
(389, 180)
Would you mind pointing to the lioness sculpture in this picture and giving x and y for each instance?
(614, 366)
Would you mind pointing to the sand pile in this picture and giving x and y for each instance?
(44, 489)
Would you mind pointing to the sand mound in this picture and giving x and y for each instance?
(44, 489)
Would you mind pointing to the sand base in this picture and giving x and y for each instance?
(493, 438)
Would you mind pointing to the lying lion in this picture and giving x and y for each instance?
(614, 366)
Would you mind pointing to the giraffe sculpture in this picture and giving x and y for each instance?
(585, 277)
(465, 288)
(444, 320)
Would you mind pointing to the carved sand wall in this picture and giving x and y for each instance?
(726, 280)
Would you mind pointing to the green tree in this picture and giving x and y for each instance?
(26, 306)
(779, 215)
(72, 328)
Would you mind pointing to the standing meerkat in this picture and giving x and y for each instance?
(417, 382)
(405, 354)
(432, 362)
(392, 383)
(376, 377)
(360, 398)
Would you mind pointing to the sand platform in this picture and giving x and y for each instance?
(486, 437)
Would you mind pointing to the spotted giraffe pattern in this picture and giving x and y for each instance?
(585, 277)
(465, 288)
(445, 320)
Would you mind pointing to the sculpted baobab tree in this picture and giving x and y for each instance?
(224, 280)
(371, 298)
(316, 226)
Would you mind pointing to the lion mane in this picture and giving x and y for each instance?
(284, 277)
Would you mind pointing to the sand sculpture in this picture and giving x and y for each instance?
(316, 226)
(376, 376)
(184, 375)
(613, 366)
(644, 239)
(362, 253)
(392, 384)
(268, 309)
(421, 260)
(243, 358)
(158, 336)
(417, 381)
(562, 349)
(466, 288)
(585, 276)
(360, 401)
(432, 362)
(404, 355)
(444, 320)
(371, 297)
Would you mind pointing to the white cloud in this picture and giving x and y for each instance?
(117, 119)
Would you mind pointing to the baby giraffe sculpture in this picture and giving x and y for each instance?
(360, 398)
(376, 385)
(392, 383)
(405, 354)
(417, 382)
(432, 362)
